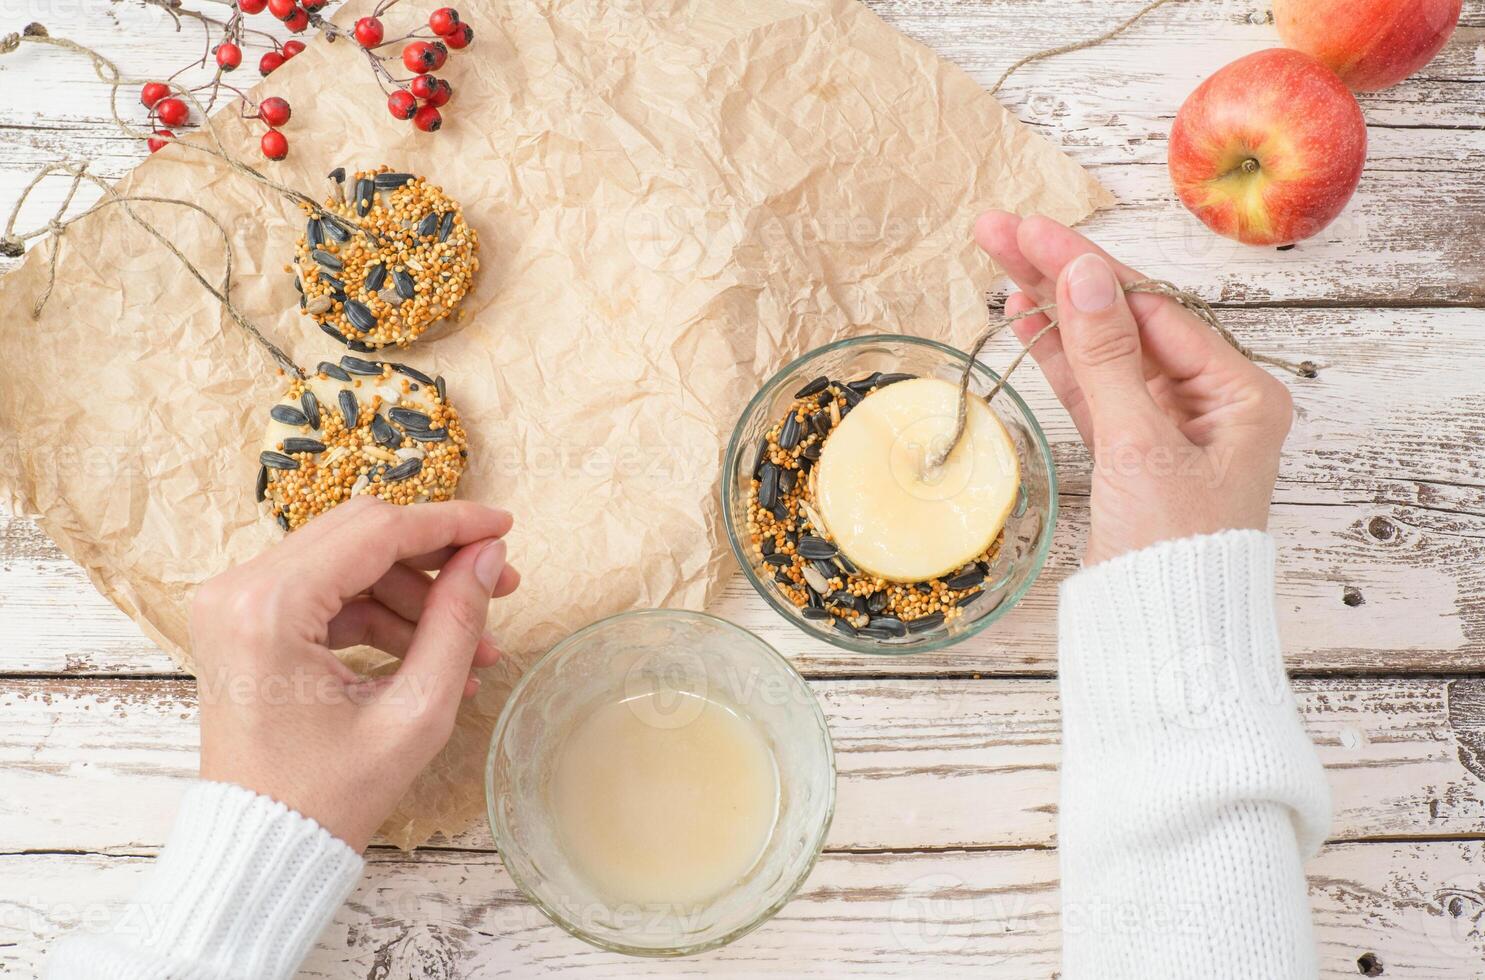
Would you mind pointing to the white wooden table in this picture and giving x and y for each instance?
(941, 861)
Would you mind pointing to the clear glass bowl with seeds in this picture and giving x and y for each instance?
(790, 559)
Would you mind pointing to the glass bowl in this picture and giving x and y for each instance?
(627, 658)
(1028, 531)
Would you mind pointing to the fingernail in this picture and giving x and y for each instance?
(1090, 284)
(488, 565)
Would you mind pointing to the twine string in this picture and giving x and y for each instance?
(1108, 35)
(1189, 301)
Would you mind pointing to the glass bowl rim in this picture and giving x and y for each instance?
(817, 846)
(834, 637)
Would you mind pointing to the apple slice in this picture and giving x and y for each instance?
(891, 516)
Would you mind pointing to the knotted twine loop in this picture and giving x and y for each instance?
(1189, 301)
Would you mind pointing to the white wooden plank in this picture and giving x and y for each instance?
(929, 764)
(1415, 907)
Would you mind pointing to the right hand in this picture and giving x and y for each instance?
(1185, 432)
(282, 716)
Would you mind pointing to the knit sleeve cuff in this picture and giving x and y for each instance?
(243, 887)
(1172, 653)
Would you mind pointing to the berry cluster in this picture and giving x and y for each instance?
(422, 55)
(418, 96)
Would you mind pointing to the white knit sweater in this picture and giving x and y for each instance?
(1190, 798)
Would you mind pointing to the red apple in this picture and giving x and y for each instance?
(1371, 44)
(1269, 149)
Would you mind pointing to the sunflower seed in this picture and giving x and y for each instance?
(350, 409)
(787, 479)
(360, 316)
(409, 418)
(926, 623)
(445, 225)
(298, 444)
(815, 598)
(428, 225)
(403, 471)
(863, 385)
(332, 370)
(875, 633)
(841, 626)
(288, 415)
(815, 580)
(820, 422)
(429, 435)
(301, 301)
(813, 547)
(813, 388)
(365, 192)
(814, 612)
(789, 434)
(311, 408)
(810, 452)
(842, 598)
(360, 347)
(390, 182)
(326, 259)
(283, 521)
(876, 603)
(779, 511)
(384, 433)
(376, 277)
(440, 386)
(968, 578)
(406, 288)
(826, 570)
(846, 565)
(298, 286)
(261, 490)
(334, 229)
(357, 366)
(318, 305)
(333, 283)
(766, 546)
(768, 487)
(759, 459)
(314, 233)
(968, 597)
(337, 175)
(412, 372)
(277, 461)
(892, 379)
(894, 626)
(782, 579)
(851, 395)
(778, 561)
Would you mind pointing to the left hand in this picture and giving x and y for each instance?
(282, 715)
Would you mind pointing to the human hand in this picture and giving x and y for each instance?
(282, 715)
(1185, 432)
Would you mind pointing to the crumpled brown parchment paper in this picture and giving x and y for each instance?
(673, 200)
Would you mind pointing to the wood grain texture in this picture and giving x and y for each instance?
(926, 764)
(1416, 907)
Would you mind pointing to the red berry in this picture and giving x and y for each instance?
(269, 62)
(313, 6)
(153, 92)
(440, 54)
(460, 38)
(229, 56)
(275, 145)
(291, 48)
(419, 56)
(172, 112)
(155, 144)
(274, 111)
(401, 104)
(427, 119)
(297, 21)
(424, 86)
(368, 32)
(252, 6)
(442, 95)
(444, 20)
(282, 8)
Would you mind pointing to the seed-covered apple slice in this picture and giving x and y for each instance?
(888, 510)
